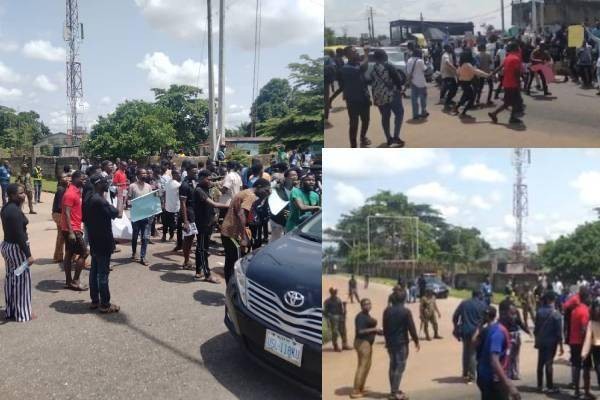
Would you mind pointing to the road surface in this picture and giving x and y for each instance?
(568, 118)
(434, 373)
(168, 341)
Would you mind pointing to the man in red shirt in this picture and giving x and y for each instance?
(120, 181)
(578, 321)
(511, 84)
(72, 232)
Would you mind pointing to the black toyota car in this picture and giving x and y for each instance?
(273, 305)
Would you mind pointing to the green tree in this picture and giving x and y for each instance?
(273, 100)
(188, 114)
(20, 131)
(330, 37)
(573, 255)
(137, 129)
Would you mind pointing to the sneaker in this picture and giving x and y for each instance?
(365, 142)
(399, 142)
(515, 121)
(493, 117)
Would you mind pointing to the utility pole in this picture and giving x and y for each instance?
(533, 16)
(372, 27)
(73, 34)
(211, 85)
(221, 137)
(502, 13)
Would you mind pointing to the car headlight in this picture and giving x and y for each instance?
(240, 267)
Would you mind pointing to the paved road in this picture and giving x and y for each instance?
(431, 374)
(569, 118)
(168, 341)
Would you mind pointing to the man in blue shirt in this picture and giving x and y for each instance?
(486, 290)
(493, 350)
(548, 337)
(466, 319)
(4, 179)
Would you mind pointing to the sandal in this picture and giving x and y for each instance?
(210, 279)
(144, 262)
(198, 277)
(77, 288)
(113, 308)
(94, 306)
(187, 267)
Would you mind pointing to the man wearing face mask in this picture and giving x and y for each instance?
(204, 211)
(304, 202)
(234, 231)
(141, 227)
(283, 190)
(100, 214)
(186, 191)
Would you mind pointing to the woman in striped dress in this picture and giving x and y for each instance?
(15, 250)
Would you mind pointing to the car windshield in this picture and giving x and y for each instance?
(433, 279)
(395, 57)
(312, 229)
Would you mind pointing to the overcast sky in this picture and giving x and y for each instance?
(352, 14)
(471, 187)
(131, 46)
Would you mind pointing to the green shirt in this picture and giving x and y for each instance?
(37, 174)
(296, 216)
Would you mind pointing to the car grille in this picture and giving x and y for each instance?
(266, 305)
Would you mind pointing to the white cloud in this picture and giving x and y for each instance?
(510, 221)
(339, 163)
(43, 50)
(498, 236)
(284, 22)
(432, 191)
(446, 168)
(588, 184)
(8, 45)
(481, 172)
(348, 196)
(479, 202)
(10, 94)
(7, 75)
(58, 120)
(447, 211)
(235, 115)
(42, 82)
(105, 100)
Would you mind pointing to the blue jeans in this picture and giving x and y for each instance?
(99, 279)
(418, 95)
(398, 358)
(469, 362)
(37, 190)
(140, 228)
(386, 110)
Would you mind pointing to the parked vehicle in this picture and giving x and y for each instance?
(439, 288)
(273, 305)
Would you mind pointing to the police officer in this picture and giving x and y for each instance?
(335, 314)
(528, 303)
(428, 310)
(353, 289)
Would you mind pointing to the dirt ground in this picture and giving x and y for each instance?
(434, 373)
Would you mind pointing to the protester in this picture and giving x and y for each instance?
(61, 187)
(468, 77)
(514, 327)
(100, 214)
(4, 180)
(485, 63)
(539, 56)
(415, 68)
(387, 96)
(186, 198)
(171, 222)
(283, 189)
(486, 291)
(204, 212)
(590, 353)
(356, 94)
(366, 330)
(548, 337)
(15, 251)
(120, 182)
(24, 178)
(235, 234)
(304, 202)
(72, 232)
(467, 317)
(141, 228)
(578, 321)
(398, 324)
(511, 84)
(448, 75)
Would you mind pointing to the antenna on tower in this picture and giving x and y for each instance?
(521, 161)
(73, 35)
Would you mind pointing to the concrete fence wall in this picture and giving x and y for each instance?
(51, 166)
(499, 281)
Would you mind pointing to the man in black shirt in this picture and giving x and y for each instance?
(398, 323)
(186, 191)
(99, 219)
(56, 215)
(204, 212)
(334, 311)
(356, 94)
(366, 329)
(353, 289)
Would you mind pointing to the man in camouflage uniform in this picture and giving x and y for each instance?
(428, 310)
(528, 303)
(334, 311)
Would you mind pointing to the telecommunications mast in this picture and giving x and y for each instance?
(73, 35)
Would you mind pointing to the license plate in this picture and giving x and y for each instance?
(283, 347)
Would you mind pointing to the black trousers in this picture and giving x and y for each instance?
(356, 111)
(468, 95)
(169, 223)
(449, 87)
(202, 251)
(531, 76)
(481, 84)
(545, 364)
(179, 229)
(232, 254)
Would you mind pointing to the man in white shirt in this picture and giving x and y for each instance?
(172, 206)
(232, 185)
(415, 68)
(448, 73)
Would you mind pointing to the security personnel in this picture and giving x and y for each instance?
(334, 311)
(528, 303)
(428, 310)
(353, 289)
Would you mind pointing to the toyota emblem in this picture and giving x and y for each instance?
(293, 299)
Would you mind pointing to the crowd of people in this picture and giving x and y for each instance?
(486, 63)
(490, 335)
(198, 200)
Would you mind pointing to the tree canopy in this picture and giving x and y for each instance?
(573, 255)
(20, 131)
